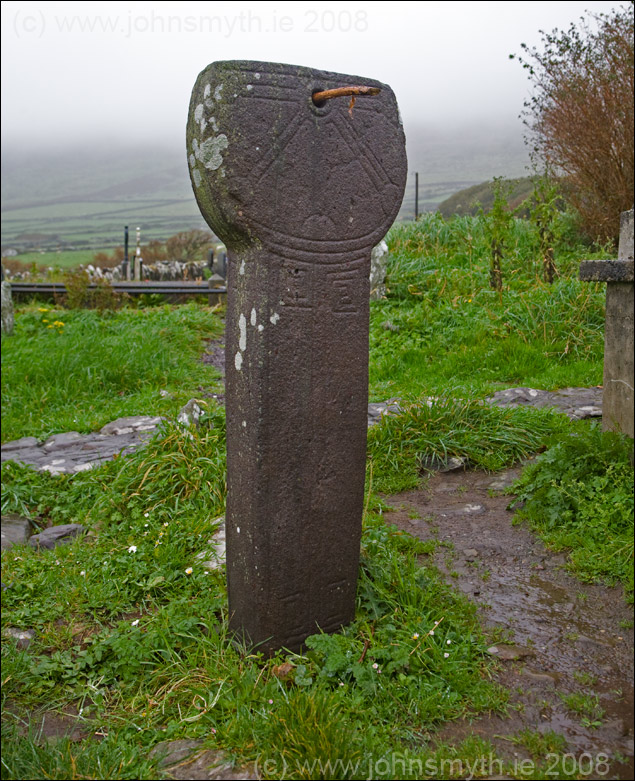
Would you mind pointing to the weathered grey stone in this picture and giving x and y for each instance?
(215, 556)
(190, 413)
(378, 264)
(606, 271)
(29, 455)
(619, 342)
(20, 444)
(187, 759)
(16, 530)
(377, 410)
(23, 637)
(131, 423)
(436, 464)
(59, 441)
(6, 303)
(619, 371)
(56, 535)
(576, 403)
(300, 194)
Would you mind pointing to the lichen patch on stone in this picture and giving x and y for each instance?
(211, 151)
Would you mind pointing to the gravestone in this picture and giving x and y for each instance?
(8, 318)
(299, 193)
(617, 396)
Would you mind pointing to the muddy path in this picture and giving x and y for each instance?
(554, 636)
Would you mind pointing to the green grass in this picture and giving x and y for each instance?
(441, 324)
(96, 367)
(174, 673)
(139, 646)
(578, 496)
(488, 437)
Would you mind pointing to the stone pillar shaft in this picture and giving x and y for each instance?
(296, 444)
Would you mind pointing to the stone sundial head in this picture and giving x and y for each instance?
(272, 166)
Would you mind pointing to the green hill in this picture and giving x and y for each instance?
(468, 201)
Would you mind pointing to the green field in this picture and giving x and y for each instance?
(132, 641)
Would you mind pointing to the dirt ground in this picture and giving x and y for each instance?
(560, 635)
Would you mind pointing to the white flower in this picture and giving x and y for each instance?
(136, 622)
(146, 515)
(448, 642)
(445, 656)
(83, 573)
(146, 525)
(375, 666)
(415, 636)
(431, 632)
(189, 571)
(132, 549)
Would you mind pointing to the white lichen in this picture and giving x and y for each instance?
(254, 317)
(211, 151)
(242, 326)
(274, 318)
(238, 362)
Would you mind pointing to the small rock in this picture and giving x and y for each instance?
(15, 530)
(173, 751)
(510, 653)
(206, 766)
(190, 414)
(215, 558)
(541, 677)
(56, 535)
(470, 554)
(445, 466)
(23, 637)
(474, 509)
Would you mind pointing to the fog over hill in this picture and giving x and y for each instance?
(87, 192)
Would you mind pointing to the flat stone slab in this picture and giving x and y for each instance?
(71, 452)
(576, 403)
(20, 444)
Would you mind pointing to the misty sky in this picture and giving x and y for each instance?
(85, 71)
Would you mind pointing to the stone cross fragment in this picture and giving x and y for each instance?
(617, 394)
(300, 193)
